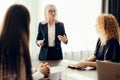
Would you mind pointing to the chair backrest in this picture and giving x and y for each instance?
(108, 70)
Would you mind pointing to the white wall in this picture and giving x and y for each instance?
(33, 7)
(79, 18)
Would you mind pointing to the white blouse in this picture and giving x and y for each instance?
(51, 35)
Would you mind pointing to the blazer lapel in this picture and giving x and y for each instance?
(56, 31)
(46, 33)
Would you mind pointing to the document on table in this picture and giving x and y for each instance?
(90, 68)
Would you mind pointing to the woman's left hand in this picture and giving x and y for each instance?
(62, 38)
(81, 65)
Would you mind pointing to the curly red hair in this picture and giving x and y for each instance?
(110, 26)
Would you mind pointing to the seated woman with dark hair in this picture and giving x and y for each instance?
(15, 63)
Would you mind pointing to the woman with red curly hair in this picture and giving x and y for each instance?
(107, 48)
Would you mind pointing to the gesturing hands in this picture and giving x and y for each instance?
(62, 38)
(41, 42)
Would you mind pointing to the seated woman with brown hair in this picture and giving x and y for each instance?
(15, 63)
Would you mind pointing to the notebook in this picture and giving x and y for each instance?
(108, 70)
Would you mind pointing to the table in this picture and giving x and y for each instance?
(80, 75)
(60, 71)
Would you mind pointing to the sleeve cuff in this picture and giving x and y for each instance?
(37, 75)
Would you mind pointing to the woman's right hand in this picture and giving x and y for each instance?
(40, 42)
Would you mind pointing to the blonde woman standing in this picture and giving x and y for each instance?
(51, 33)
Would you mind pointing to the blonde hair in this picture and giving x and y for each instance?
(46, 12)
(110, 26)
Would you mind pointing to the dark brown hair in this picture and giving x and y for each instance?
(14, 42)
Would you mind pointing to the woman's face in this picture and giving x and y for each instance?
(100, 28)
(52, 13)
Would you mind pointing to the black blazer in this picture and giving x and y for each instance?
(43, 34)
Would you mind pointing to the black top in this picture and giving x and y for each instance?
(109, 51)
